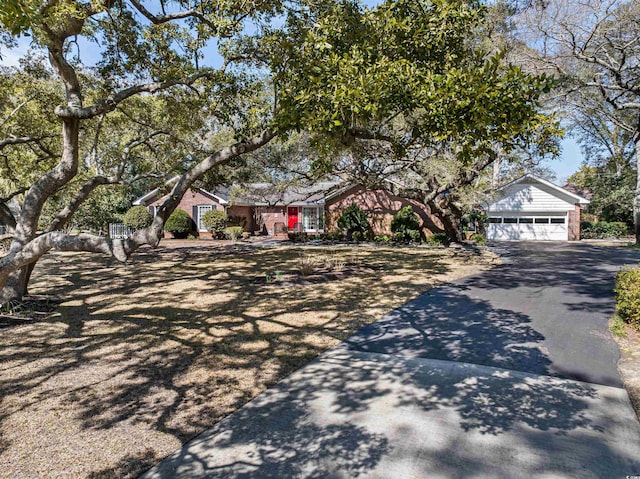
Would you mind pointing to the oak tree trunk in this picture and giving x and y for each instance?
(15, 286)
(450, 217)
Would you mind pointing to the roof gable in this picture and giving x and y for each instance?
(555, 189)
(530, 193)
(160, 192)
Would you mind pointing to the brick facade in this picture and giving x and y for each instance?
(245, 212)
(270, 219)
(380, 206)
(188, 203)
(573, 224)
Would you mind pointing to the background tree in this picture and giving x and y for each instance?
(593, 48)
(609, 170)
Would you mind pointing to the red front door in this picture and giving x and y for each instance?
(292, 214)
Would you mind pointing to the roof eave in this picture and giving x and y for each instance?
(580, 199)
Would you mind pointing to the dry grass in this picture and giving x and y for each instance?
(139, 358)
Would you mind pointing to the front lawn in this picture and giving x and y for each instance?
(139, 358)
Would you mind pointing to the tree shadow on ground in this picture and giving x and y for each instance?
(452, 326)
(565, 290)
(443, 410)
(333, 419)
(584, 270)
(165, 347)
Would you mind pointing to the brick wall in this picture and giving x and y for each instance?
(245, 212)
(270, 217)
(574, 224)
(380, 206)
(191, 199)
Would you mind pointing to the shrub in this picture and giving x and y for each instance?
(215, 221)
(382, 239)
(334, 236)
(246, 235)
(408, 236)
(237, 221)
(478, 238)
(306, 265)
(138, 217)
(628, 296)
(178, 224)
(353, 220)
(298, 237)
(406, 226)
(439, 239)
(357, 236)
(603, 229)
(233, 232)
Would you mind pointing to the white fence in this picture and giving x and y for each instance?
(118, 230)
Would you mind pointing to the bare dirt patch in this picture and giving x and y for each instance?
(139, 358)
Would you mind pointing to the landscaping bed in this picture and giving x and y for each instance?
(141, 357)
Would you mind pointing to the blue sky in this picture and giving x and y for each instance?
(569, 161)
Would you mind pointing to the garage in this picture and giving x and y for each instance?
(533, 209)
(531, 228)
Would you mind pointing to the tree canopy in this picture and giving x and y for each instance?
(188, 87)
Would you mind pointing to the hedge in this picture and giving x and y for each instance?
(137, 217)
(178, 224)
(405, 226)
(215, 221)
(354, 220)
(628, 296)
(603, 229)
(439, 239)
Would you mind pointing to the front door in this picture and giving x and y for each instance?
(292, 214)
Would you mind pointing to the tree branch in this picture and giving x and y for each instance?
(6, 216)
(22, 140)
(72, 206)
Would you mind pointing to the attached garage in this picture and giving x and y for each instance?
(533, 209)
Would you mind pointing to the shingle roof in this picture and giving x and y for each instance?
(258, 194)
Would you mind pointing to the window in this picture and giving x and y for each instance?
(557, 221)
(495, 220)
(310, 219)
(202, 209)
(526, 221)
(542, 221)
(510, 220)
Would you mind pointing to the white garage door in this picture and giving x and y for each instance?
(538, 227)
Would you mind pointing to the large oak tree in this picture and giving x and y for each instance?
(407, 73)
(593, 48)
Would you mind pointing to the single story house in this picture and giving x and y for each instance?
(531, 208)
(303, 209)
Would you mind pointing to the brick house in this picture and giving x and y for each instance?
(311, 209)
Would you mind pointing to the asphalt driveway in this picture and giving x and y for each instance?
(511, 373)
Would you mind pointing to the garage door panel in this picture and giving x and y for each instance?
(531, 231)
